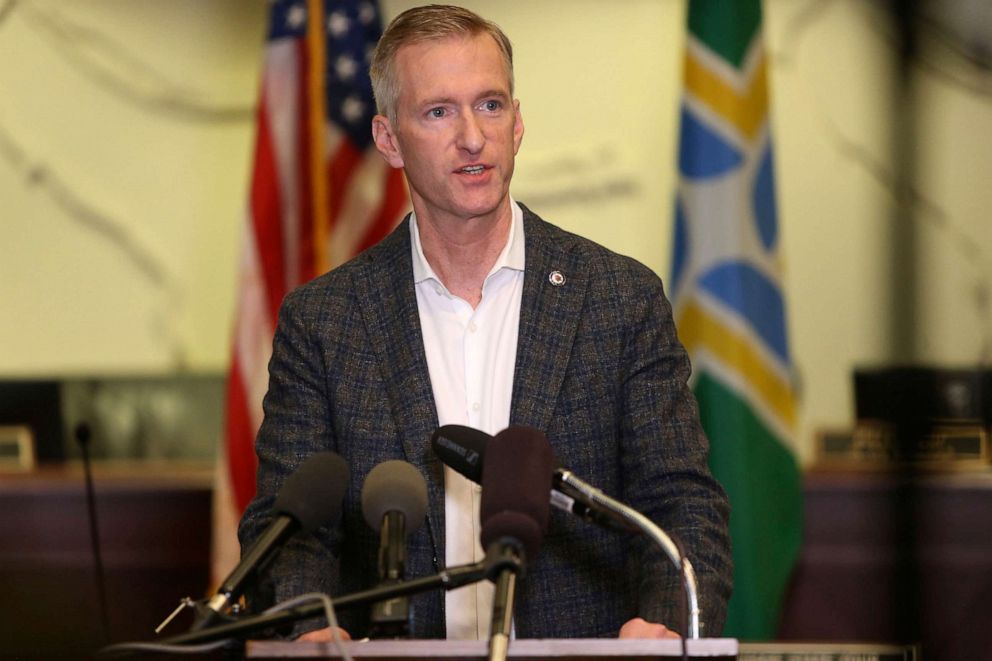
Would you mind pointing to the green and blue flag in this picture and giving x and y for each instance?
(729, 305)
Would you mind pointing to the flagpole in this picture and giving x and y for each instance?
(317, 112)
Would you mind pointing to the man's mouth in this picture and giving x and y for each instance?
(473, 169)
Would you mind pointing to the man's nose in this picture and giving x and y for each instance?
(470, 136)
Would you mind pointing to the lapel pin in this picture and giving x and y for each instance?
(557, 278)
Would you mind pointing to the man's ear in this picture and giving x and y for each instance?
(518, 126)
(385, 141)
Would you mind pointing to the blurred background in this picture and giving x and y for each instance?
(126, 137)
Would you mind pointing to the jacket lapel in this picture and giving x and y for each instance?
(385, 290)
(554, 290)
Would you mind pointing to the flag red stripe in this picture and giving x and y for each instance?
(307, 258)
(343, 164)
(393, 204)
(266, 213)
(241, 460)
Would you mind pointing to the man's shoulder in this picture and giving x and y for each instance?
(551, 241)
(377, 262)
(394, 247)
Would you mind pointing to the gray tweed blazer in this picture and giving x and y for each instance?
(599, 369)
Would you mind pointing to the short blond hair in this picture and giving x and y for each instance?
(420, 24)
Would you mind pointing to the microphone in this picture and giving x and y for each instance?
(463, 449)
(514, 512)
(310, 497)
(394, 502)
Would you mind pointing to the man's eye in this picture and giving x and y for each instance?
(437, 112)
(492, 106)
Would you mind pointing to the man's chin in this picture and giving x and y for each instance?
(464, 205)
(475, 207)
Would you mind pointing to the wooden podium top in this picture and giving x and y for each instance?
(575, 649)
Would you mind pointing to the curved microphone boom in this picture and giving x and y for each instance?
(310, 498)
(465, 450)
(394, 502)
(566, 480)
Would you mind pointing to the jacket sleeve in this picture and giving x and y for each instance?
(297, 423)
(664, 463)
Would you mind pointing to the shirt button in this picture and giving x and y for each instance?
(472, 327)
(476, 406)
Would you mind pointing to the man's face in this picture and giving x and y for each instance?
(457, 129)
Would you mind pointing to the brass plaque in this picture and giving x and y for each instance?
(16, 448)
(873, 445)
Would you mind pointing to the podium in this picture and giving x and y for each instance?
(575, 649)
(593, 649)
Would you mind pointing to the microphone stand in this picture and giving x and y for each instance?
(569, 483)
(499, 637)
(83, 434)
(233, 585)
(506, 584)
(391, 618)
(449, 579)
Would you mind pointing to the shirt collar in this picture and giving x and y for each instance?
(511, 257)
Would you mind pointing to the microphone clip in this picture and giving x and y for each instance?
(504, 554)
(391, 618)
(203, 614)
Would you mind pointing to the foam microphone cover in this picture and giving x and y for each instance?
(516, 483)
(313, 493)
(395, 486)
(462, 449)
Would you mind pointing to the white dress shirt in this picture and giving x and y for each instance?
(470, 358)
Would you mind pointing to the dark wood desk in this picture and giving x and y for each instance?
(155, 533)
(889, 559)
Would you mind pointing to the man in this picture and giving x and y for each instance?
(475, 311)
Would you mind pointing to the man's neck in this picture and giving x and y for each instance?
(463, 251)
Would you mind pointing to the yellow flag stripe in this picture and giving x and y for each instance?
(746, 111)
(700, 330)
(316, 117)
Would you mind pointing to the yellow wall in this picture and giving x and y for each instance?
(126, 135)
(122, 177)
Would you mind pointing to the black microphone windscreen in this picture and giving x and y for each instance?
(395, 486)
(461, 449)
(517, 526)
(313, 493)
(516, 482)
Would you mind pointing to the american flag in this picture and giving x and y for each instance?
(301, 218)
